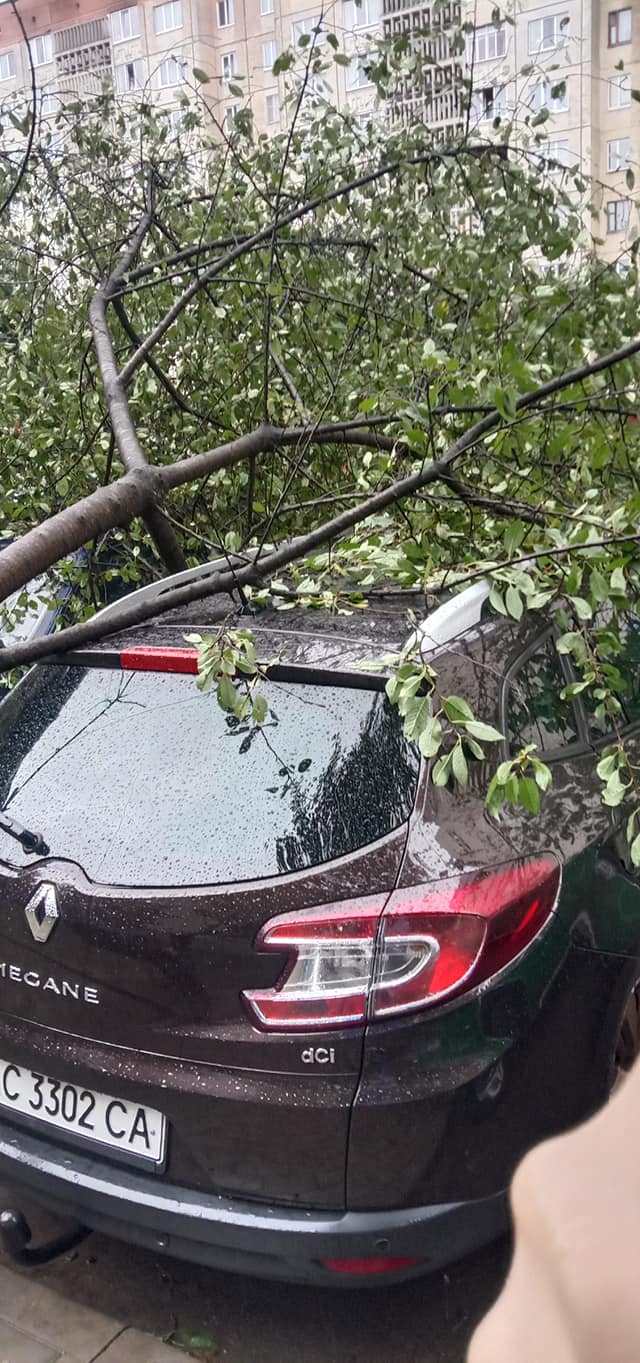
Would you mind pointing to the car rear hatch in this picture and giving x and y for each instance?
(174, 832)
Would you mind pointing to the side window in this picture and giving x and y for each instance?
(626, 662)
(535, 712)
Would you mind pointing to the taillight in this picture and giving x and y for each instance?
(359, 959)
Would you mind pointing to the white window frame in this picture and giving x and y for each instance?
(556, 26)
(41, 49)
(356, 77)
(230, 115)
(168, 17)
(125, 24)
(169, 65)
(7, 65)
(309, 25)
(272, 104)
(543, 99)
(49, 103)
(615, 160)
(619, 42)
(229, 66)
(269, 54)
(364, 15)
(138, 72)
(616, 205)
(267, 6)
(487, 43)
(558, 150)
(621, 84)
(225, 14)
(486, 111)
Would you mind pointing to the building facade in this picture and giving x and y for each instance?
(78, 46)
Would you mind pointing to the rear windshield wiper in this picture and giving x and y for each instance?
(32, 842)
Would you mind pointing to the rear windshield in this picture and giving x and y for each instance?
(144, 780)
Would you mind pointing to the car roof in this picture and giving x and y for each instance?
(300, 637)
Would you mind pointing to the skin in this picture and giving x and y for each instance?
(573, 1291)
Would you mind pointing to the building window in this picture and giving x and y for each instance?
(551, 95)
(488, 43)
(225, 13)
(229, 69)
(318, 89)
(619, 27)
(167, 17)
(273, 109)
(622, 267)
(269, 54)
(307, 28)
(547, 33)
(7, 65)
(41, 49)
(125, 24)
(129, 76)
(618, 215)
(361, 13)
(267, 6)
(619, 92)
(49, 104)
(356, 76)
(619, 153)
(171, 72)
(230, 116)
(491, 102)
(556, 156)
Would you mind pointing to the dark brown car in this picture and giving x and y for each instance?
(268, 1000)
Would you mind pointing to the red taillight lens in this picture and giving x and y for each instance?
(145, 659)
(358, 959)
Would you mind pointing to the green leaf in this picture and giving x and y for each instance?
(513, 602)
(618, 582)
(442, 770)
(283, 62)
(485, 732)
(236, 90)
(201, 76)
(431, 737)
(529, 794)
(582, 608)
(457, 710)
(226, 693)
(418, 712)
(496, 600)
(503, 773)
(511, 787)
(193, 1341)
(634, 851)
(260, 709)
(630, 178)
(459, 765)
(541, 774)
(332, 41)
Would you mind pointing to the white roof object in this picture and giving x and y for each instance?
(154, 590)
(458, 614)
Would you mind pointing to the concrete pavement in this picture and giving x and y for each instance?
(37, 1325)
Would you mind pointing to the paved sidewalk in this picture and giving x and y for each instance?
(38, 1326)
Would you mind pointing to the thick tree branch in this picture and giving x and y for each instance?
(129, 448)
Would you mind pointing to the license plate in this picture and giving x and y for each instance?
(114, 1122)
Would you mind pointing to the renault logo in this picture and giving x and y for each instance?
(42, 912)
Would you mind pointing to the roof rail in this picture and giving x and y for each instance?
(155, 590)
(453, 618)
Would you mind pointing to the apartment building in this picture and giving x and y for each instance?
(575, 62)
(78, 46)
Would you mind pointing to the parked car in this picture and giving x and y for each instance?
(269, 1000)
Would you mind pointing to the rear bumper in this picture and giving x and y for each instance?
(244, 1237)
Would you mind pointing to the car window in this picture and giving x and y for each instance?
(626, 662)
(535, 712)
(144, 780)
